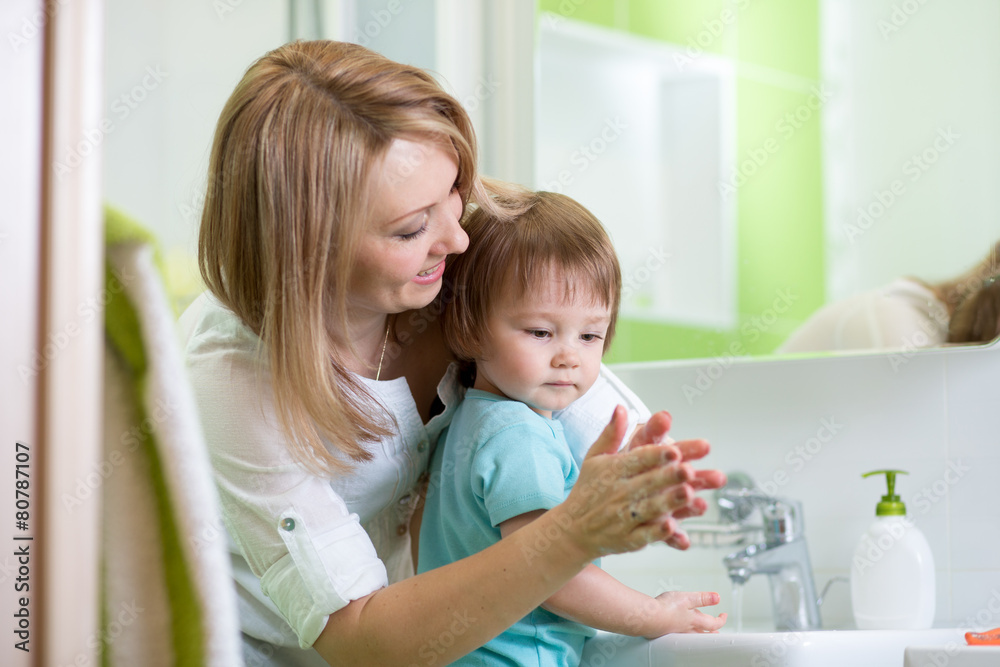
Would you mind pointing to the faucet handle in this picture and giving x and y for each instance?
(782, 517)
(783, 521)
(737, 499)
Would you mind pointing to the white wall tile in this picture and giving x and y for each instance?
(925, 413)
(975, 514)
(973, 375)
(976, 599)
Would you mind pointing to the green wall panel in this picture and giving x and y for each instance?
(706, 26)
(781, 34)
(778, 179)
(779, 203)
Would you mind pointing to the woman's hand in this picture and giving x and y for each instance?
(626, 500)
(655, 432)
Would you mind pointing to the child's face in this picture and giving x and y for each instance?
(544, 349)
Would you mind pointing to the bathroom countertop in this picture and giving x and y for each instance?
(952, 656)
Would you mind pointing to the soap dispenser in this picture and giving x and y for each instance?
(892, 574)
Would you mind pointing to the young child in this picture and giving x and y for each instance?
(535, 315)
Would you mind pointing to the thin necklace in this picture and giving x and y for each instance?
(378, 373)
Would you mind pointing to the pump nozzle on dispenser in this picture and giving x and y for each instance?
(891, 504)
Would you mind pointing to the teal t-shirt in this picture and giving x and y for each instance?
(498, 459)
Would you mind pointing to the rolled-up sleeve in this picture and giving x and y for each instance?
(320, 574)
(296, 533)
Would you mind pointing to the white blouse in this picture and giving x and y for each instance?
(902, 315)
(304, 546)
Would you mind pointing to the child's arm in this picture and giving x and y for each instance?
(597, 599)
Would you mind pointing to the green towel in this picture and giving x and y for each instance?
(125, 339)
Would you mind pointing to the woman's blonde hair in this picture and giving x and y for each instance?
(289, 190)
(955, 291)
(511, 257)
(977, 318)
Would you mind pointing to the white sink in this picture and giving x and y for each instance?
(822, 648)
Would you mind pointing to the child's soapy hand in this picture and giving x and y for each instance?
(677, 611)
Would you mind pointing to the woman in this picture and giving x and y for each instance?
(337, 182)
(907, 313)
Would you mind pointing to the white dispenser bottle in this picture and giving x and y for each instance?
(892, 573)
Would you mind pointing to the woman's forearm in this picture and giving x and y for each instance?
(438, 616)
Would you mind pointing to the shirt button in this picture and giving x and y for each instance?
(288, 524)
(401, 529)
(422, 446)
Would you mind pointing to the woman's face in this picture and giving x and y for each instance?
(415, 226)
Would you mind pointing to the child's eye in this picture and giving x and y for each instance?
(590, 337)
(538, 333)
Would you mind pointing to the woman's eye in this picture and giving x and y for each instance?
(413, 235)
(424, 218)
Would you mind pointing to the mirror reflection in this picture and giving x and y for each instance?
(851, 187)
(756, 162)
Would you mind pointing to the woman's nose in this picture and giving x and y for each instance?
(453, 239)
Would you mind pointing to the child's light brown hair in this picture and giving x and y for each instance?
(513, 257)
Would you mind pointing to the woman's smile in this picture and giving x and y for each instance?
(431, 275)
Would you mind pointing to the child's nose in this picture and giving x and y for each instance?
(566, 357)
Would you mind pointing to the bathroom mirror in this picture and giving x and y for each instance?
(858, 144)
(806, 150)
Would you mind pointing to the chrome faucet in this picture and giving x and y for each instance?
(782, 556)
